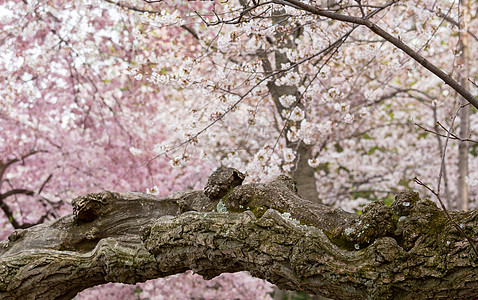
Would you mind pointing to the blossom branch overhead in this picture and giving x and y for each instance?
(364, 21)
(394, 40)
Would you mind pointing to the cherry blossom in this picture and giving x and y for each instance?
(138, 96)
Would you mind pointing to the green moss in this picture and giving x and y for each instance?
(427, 221)
(259, 211)
(340, 240)
(436, 219)
(235, 210)
(258, 208)
(82, 246)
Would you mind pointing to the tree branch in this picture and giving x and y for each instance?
(8, 211)
(395, 41)
(408, 250)
(16, 192)
(9, 162)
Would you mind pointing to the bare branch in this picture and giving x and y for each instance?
(452, 135)
(16, 192)
(44, 183)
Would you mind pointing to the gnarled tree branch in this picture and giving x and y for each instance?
(405, 251)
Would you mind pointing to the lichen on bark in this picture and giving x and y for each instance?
(406, 251)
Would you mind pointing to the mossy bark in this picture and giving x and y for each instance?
(406, 251)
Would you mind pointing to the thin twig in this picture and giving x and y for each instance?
(453, 136)
(442, 165)
(473, 82)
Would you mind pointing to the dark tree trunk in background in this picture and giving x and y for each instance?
(302, 173)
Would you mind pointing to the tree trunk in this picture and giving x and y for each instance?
(406, 251)
(302, 173)
(463, 148)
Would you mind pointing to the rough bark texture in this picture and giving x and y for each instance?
(406, 251)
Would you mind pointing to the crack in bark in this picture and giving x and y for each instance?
(405, 251)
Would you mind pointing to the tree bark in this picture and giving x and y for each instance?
(463, 148)
(406, 251)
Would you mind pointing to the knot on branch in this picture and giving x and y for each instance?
(16, 235)
(280, 194)
(287, 181)
(88, 208)
(419, 221)
(222, 181)
(275, 194)
(376, 221)
(405, 202)
(408, 219)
